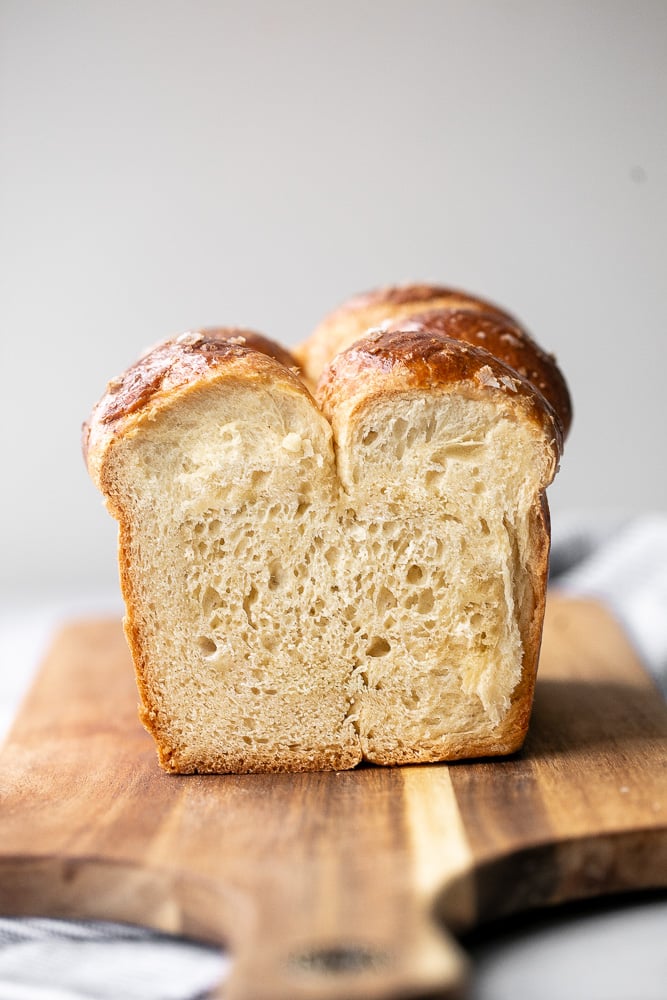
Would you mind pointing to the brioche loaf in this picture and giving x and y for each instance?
(313, 581)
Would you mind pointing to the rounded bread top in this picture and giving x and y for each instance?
(507, 341)
(396, 303)
(419, 294)
(174, 365)
(408, 357)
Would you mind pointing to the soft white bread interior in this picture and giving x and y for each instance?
(309, 585)
(443, 456)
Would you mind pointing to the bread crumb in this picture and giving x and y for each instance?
(292, 442)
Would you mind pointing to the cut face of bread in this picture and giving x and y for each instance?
(445, 483)
(230, 502)
(309, 586)
(439, 527)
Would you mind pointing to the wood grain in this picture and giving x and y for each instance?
(334, 884)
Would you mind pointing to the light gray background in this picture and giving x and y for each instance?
(169, 164)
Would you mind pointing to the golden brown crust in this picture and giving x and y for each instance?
(354, 317)
(176, 365)
(253, 341)
(506, 341)
(452, 312)
(256, 762)
(422, 357)
(531, 620)
(420, 294)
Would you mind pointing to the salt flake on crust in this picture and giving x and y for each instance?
(486, 377)
(509, 382)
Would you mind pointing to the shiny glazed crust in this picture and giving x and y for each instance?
(419, 356)
(439, 310)
(477, 351)
(354, 317)
(172, 367)
(506, 341)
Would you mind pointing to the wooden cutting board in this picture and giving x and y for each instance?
(334, 884)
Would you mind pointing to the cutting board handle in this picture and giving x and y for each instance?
(365, 960)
